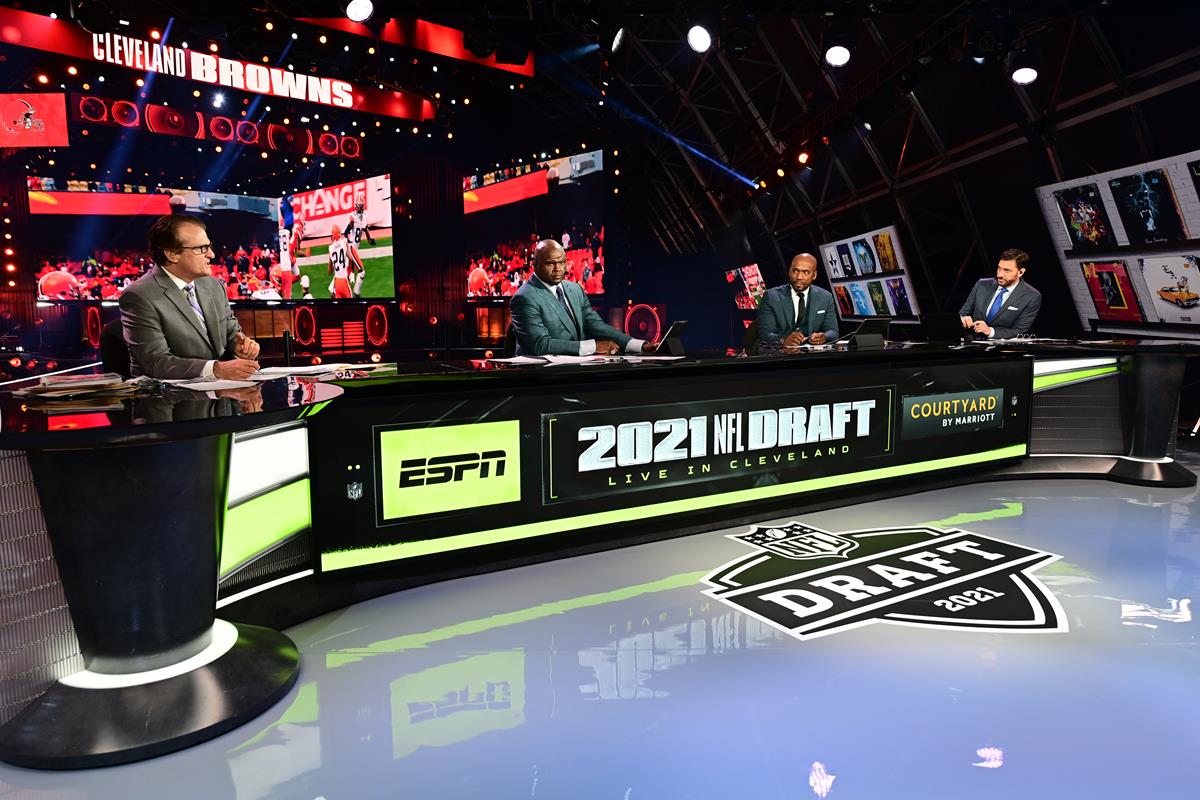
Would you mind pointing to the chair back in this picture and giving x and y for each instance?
(114, 353)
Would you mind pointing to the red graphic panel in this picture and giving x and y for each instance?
(1112, 291)
(124, 205)
(513, 190)
(33, 120)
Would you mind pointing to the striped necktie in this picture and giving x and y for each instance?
(189, 291)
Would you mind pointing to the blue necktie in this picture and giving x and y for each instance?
(562, 298)
(189, 291)
(997, 304)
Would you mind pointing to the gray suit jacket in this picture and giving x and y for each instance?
(543, 326)
(1017, 314)
(163, 333)
(776, 314)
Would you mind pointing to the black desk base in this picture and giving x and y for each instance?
(73, 728)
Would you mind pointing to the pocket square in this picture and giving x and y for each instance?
(1013, 308)
(822, 311)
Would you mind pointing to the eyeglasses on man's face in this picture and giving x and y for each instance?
(200, 249)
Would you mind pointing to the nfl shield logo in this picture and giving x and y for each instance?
(354, 491)
(797, 541)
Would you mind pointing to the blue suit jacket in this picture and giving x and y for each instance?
(776, 315)
(1016, 316)
(543, 326)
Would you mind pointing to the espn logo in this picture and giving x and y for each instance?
(447, 469)
(443, 468)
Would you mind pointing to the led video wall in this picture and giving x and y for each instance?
(328, 243)
(1126, 240)
(869, 276)
(509, 210)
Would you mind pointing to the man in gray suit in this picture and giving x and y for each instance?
(176, 319)
(798, 313)
(553, 316)
(1005, 307)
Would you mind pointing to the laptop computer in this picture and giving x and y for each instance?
(942, 328)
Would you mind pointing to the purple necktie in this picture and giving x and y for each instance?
(190, 291)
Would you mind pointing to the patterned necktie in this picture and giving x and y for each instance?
(189, 291)
(997, 304)
(562, 298)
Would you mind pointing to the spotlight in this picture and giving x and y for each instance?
(1023, 65)
(803, 157)
(699, 39)
(780, 172)
(837, 56)
(838, 40)
(93, 16)
(218, 100)
(618, 39)
(359, 10)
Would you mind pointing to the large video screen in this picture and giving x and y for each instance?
(1125, 240)
(508, 211)
(339, 240)
(90, 239)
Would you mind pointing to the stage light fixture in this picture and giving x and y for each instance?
(618, 39)
(1023, 66)
(837, 55)
(359, 10)
(92, 15)
(218, 100)
(780, 172)
(839, 40)
(699, 39)
(803, 157)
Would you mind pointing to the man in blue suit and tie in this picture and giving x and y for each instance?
(553, 316)
(798, 313)
(1006, 307)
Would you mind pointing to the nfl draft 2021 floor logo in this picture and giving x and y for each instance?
(809, 582)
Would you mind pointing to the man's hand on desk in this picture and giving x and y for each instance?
(607, 348)
(236, 369)
(794, 339)
(818, 338)
(968, 322)
(245, 347)
(982, 327)
(650, 347)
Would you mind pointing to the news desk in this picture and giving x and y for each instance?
(311, 494)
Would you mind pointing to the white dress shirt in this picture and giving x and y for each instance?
(992, 299)
(796, 302)
(587, 347)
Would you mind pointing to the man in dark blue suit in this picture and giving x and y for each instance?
(798, 313)
(1004, 307)
(553, 316)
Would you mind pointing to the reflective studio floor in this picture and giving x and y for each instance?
(614, 676)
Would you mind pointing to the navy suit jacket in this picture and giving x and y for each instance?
(1017, 314)
(776, 314)
(543, 326)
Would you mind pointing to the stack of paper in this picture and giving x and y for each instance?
(79, 392)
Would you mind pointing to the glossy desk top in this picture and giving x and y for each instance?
(176, 412)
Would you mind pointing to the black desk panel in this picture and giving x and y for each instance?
(558, 456)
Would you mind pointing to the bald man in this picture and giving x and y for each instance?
(553, 316)
(797, 313)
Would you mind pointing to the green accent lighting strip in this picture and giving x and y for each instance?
(1044, 382)
(257, 525)
(347, 559)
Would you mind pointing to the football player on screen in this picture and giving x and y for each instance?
(356, 229)
(343, 259)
